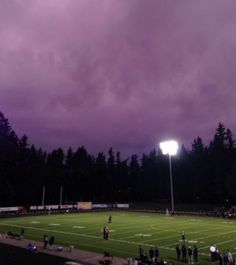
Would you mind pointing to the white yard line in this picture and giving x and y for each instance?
(219, 243)
(196, 239)
(91, 236)
(135, 236)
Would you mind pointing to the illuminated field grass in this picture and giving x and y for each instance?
(128, 230)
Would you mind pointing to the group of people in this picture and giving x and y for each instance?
(224, 259)
(105, 229)
(151, 258)
(187, 254)
(48, 241)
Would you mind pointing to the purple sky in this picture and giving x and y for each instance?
(120, 73)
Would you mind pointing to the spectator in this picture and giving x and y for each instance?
(184, 253)
(156, 252)
(195, 254)
(30, 247)
(225, 258)
(189, 251)
(230, 258)
(22, 233)
(212, 251)
(45, 241)
(141, 252)
(151, 253)
(51, 241)
(178, 252)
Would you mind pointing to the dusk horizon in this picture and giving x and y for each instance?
(124, 154)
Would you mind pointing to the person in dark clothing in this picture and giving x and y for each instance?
(213, 252)
(145, 258)
(104, 232)
(51, 241)
(110, 219)
(156, 253)
(141, 252)
(178, 252)
(189, 252)
(184, 253)
(183, 237)
(225, 258)
(195, 254)
(45, 241)
(220, 258)
(151, 253)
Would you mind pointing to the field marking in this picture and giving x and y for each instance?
(78, 226)
(191, 241)
(123, 228)
(52, 224)
(200, 238)
(50, 230)
(94, 237)
(219, 234)
(143, 235)
(35, 222)
(152, 226)
(172, 236)
(84, 235)
(219, 243)
(158, 232)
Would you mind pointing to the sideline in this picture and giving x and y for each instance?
(81, 256)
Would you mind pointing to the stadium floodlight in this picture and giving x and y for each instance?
(170, 148)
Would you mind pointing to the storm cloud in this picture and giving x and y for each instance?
(125, 73)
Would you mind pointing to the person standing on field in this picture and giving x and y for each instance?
(109, 219)
(156, 253)
(106, 233)
(178, 252)
(184, 253)
(189, 251)
(141, 252)
(195, 254)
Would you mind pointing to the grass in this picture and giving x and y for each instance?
(128, 230)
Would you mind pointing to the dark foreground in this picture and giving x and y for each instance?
(19, 256)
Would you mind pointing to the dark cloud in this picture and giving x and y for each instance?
(123, 73)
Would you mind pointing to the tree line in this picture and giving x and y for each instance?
(204, 174)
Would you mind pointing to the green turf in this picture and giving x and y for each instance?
(128, 231)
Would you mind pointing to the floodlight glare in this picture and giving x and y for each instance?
(169, 147)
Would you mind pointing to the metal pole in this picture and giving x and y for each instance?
(171, 186)
(60, 196)
(43, 196)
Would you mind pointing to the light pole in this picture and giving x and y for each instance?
(170, 148)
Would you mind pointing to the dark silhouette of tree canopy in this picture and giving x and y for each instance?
(204, 174)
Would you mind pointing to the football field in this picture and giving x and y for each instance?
(128, 230)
